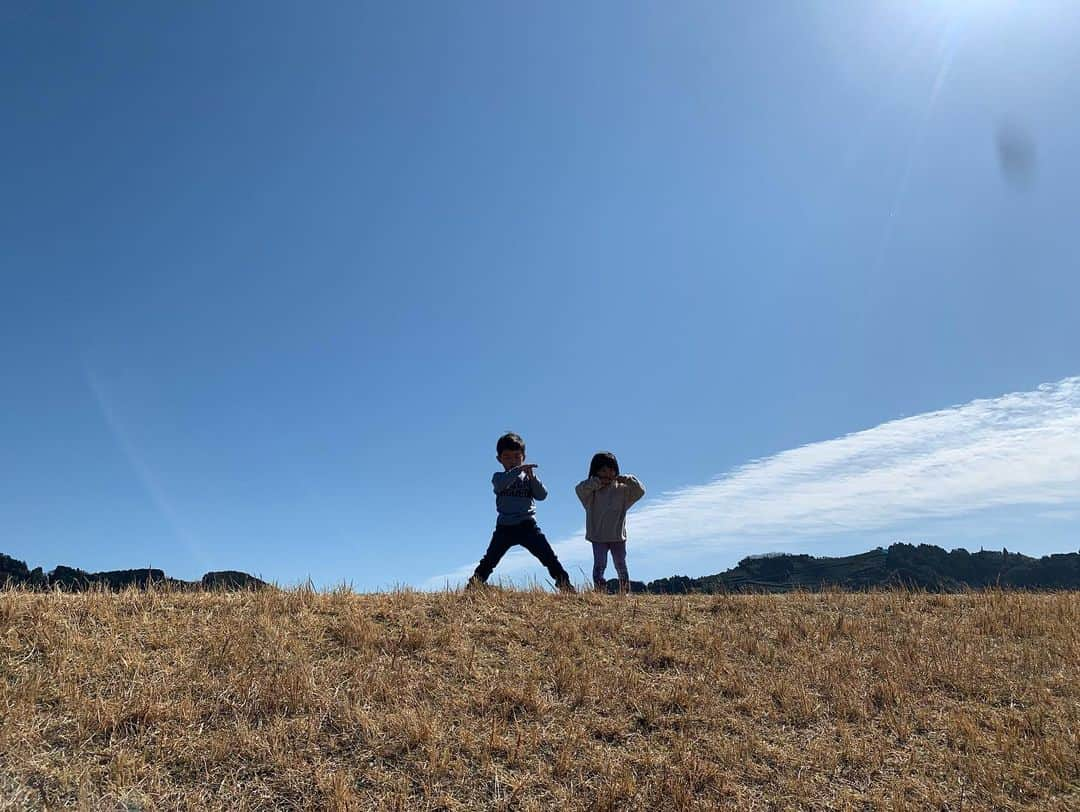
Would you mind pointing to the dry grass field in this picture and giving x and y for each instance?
(528, 700)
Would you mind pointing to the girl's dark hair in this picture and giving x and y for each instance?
(510, 441)
(603, 459)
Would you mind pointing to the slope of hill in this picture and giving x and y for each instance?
(923, 567)
(496, 699)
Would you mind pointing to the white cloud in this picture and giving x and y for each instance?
(1019, 449)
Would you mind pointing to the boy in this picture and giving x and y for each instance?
(516, 486)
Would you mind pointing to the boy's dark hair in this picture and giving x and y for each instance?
(603, 459)
(510, 442)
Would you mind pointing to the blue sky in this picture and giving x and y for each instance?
(277, 276)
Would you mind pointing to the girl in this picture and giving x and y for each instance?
(606, 496)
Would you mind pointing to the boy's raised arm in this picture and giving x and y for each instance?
(634, 489)
(501, 480)
(539, 492)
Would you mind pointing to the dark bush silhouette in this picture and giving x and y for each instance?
(231, 579)
(14, 573)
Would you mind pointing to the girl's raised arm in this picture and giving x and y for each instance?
(586, 488)
(634, 489)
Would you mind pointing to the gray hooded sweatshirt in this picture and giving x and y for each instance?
(514, 495)
(605, 507)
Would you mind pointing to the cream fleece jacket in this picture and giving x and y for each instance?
(605, 507)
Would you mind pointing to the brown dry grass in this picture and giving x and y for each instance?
(527, 700)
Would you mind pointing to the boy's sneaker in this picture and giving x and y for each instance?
(566, 586)
(475, 582)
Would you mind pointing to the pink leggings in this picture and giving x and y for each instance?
(599, 557)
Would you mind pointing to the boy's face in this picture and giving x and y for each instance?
(510, 458)
(606, 475)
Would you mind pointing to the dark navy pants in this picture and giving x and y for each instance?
(528, 535)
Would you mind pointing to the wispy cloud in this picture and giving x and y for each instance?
(145, 476)
(1060, 515)
(1018, 449)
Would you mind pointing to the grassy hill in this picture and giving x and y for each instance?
(164, 699)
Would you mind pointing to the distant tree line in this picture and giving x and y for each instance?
(15, 573)
(922, 566)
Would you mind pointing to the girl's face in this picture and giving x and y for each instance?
(606, 475)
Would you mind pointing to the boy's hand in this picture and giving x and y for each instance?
(528, 469)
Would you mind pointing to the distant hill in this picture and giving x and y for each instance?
(15, 573)
(921, 567)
